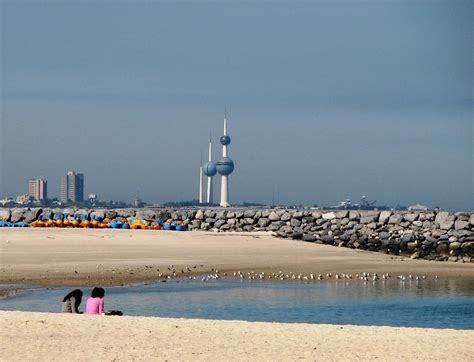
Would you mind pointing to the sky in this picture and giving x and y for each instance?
(326, 100)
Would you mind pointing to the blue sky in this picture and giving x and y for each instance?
(327, 100)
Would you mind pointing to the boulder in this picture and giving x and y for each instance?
(249, 213)
(418, 223)
(248, 221)
(196, 224)
(221, 214)
(295, 222)
(384, 235)
(263, 222)
(471, 220)
(285, 217)
(225, 227)
(442, 249)
(342, 214)
(17, 215)
(460, 233)
(408, 237)
(327, 239)
(425, 216)
(309, 237)
(454, 246)
(410, 217)
(219, 223)
(372, 225)
(395, 219)
(125, 213)
(329, 216)
(354, 215)
(436, 233)
(5, 214)
(146, 214)
(297, 236)
(415, 255)
(273, 216)
(239, 214)
(366, 219)
(384, 217)
(461, 224)
(265, 213)
(199, 215)
(444, 220)
(298, 215)
(210, 214)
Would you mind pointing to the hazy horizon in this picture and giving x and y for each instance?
(325, 100)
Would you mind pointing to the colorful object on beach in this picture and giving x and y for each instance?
(93, 221)
(139, 224)
(4, 223)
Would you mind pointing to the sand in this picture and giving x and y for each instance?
(86, 257)
(55, 257)
(28, 336)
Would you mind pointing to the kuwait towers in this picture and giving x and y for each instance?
(225, 166)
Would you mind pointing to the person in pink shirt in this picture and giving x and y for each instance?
(95, 304)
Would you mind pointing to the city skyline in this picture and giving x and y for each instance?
(328, 101)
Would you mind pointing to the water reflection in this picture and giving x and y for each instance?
(424, 303)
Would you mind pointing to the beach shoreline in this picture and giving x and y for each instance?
(86, 258)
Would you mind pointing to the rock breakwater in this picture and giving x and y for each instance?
(441, 236)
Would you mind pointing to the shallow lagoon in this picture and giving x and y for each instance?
(424, 303)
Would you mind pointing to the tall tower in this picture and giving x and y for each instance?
(210, 171)
(225, 166)
(200, 182)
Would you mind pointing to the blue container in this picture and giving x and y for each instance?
(168, 226)
(116, 225)
(125, 226)
(181, 227)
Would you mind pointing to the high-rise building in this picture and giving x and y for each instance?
(38, 189)
(72, 187)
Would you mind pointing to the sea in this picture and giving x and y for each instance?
(430, 303)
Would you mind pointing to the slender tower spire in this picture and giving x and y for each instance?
(210, 198)
(200, 182)
(225, 166)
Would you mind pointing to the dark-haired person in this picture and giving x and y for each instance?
(95, 304)
(72, 301)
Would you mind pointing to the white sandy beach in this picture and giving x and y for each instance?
(109, 257)
(89, 257)
(64, 337)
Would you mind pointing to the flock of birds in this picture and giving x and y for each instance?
(289, 276)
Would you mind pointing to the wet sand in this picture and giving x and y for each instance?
(53, 337)
(89, 257)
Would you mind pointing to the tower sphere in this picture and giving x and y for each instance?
(209, 169)
(225, 140)
(225, 166)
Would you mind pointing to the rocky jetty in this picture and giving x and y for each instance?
(442, 236)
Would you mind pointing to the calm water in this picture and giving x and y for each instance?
(428, 303)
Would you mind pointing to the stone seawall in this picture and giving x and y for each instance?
(442, 236)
